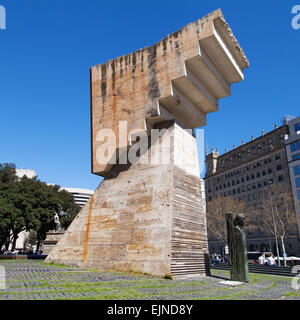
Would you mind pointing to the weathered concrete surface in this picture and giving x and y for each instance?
(181, 77)
(149, 216)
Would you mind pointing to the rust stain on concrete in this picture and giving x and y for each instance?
(87, 233)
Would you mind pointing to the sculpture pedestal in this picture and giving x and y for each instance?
(149, 218)
(51, 240)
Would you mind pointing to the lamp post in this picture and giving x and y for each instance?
(274, 224)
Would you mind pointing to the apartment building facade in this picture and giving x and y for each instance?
(245, 173)
(292, 146)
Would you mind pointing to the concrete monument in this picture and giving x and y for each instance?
(147, 215)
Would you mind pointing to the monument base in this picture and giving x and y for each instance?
(148, 218)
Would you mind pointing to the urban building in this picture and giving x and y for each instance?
(29, 173)
(81, 196)
(292, 145)
(246, 171)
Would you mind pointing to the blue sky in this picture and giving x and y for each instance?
(49, 46)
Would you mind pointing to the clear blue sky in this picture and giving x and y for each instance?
(49, 46)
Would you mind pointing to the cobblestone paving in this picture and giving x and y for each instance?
(35, 280)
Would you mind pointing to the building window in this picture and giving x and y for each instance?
(280, 178)
(264, 173)
(297, 170)
(295, 146)
(277, 157)
(279, 167)
(298, 194)
(296, 156)
(297, 182)
(270, 171)
(258, 174)
(297, 126)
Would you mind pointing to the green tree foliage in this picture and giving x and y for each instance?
(29, 204)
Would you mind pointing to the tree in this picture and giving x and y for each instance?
(29, 204)
(216, 215)
(284, 222)
(42, 202)
(12, 217)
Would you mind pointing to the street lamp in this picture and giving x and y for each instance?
(274, 224)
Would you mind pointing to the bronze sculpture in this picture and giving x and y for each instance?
(236, 238)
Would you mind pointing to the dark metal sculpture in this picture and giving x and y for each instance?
(236, 238)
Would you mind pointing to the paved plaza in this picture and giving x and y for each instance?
(36, 280)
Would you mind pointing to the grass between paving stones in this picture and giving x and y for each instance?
(291, 294)
(51, 284)
(110, 286)
(254, 277)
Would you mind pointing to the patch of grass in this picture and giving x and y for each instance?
(292, 294)
(53, 264)
(254, 277)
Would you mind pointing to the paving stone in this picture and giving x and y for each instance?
(31, 280)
